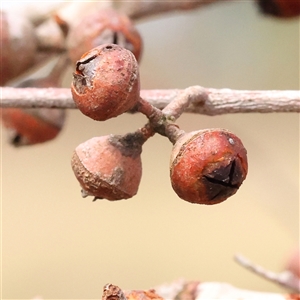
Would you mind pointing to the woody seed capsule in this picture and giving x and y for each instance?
(208, 166)
(280, 8)
(106, 82)
(18, 46)
(109, 166)
(105, 26)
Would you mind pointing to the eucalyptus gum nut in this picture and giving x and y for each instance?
(280, 8)
(106, 82)
(29, 126)
(106, 167)
(103, 27)
(18, 46)
(32, 126)
(208, 166)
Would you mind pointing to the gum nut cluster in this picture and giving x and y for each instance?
(106, 82)
(105, 26)
(208, 166)
(18, 46)
(108, 167)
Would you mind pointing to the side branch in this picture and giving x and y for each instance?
(207, 101)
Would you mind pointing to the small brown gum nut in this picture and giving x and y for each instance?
(106, 82)
(32, 126)
(142, 295)
(208, 166)
(18, 46)
(112, 292)
(108, 167)
(103, 27)
(280, 8)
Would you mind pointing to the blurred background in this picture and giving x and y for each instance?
(57, 245)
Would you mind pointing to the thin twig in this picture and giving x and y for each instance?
(209, 102)
(286, 279)
(141, 8)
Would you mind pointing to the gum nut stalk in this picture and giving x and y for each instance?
(106, 82)
(108, 166)
(208, 166)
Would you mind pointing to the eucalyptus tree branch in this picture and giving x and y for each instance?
(142, 8)
(207, 101)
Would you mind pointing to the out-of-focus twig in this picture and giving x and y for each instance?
(49, 34)
(286, 279)
(140, 8)
(206, 101)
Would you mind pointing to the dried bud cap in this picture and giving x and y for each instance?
(18, 46)
(280, 8)
(105, 26)
(32, 126)
(208, 166)
(109, 166)
(106, 82)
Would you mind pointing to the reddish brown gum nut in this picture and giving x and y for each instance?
(106, 82)
(142, 295)
(208, 166)
(105, 26)
(38, 125)
(18, 46)
(108, 167)
(32, 126)
(280, 8)
(113, 292)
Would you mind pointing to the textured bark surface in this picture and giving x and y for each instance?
(209, 102)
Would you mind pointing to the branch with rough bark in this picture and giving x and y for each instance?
(206, 101)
